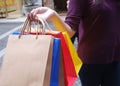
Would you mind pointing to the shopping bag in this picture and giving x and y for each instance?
(76, 59)
(54, 78)
(73, 54)
(57, 74)
(70, 74)
(69, 70)
(27, 61)
(68, 67)
(56, 66)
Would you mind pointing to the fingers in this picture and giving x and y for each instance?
(32, 15)
(43, 12)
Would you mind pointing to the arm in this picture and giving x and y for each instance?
(61, 25)
(50, 15)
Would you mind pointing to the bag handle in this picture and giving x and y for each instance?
(27, 26)
(47, 26)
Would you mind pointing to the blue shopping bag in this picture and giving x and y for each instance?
(16, 33)
(54, 78)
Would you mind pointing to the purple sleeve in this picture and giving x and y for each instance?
(75, 13)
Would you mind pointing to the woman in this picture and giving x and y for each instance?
(98, 25)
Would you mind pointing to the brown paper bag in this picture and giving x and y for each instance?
(27, 61)
(61, 75)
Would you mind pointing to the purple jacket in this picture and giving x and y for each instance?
(98, 25)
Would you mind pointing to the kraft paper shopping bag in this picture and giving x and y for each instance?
(57, 71)
(27, 61)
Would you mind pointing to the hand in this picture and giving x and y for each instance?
(42, 12)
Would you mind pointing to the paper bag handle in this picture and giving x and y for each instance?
(28, 23)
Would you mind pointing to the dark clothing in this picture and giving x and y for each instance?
(98, 25)
(73, 38)
(104, 74)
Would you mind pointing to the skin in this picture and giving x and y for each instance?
(50, 15)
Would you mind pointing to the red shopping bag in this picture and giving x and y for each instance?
(70, 74)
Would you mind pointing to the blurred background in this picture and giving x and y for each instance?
(22, 7)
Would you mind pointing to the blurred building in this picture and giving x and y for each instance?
(24, 6)
(7, 6)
